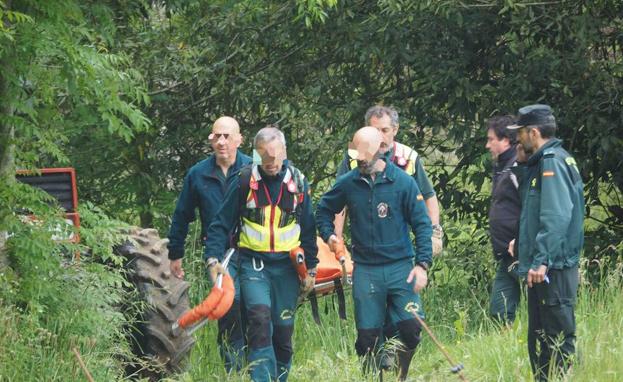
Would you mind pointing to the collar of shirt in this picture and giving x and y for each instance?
(536, 157)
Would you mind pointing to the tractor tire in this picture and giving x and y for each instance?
(162, 299)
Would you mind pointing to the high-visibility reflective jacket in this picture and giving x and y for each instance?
(267, 225)
(270, 225)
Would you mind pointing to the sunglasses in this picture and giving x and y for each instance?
(217, 136)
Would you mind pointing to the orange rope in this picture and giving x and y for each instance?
(226, 301)
(203, 309)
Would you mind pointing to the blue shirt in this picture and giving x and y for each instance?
(381, 212)
(204, 187)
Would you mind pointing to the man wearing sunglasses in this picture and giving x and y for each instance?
(204, 189)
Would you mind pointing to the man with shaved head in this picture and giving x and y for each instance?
(270, 203)
(385, 119)
(204, 189)
(384, 202)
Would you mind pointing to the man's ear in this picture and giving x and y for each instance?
(239, 140)
(535, 134)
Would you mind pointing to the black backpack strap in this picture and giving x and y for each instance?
(245, 179)
(299, 180)
(313, 300)
(341, 300)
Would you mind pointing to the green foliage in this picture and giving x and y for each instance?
(126, 92)
(50, 303)
(59, 82)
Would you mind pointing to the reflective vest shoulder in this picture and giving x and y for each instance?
(403, 156)
(271, 225)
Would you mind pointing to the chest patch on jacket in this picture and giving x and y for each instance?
(382, 209)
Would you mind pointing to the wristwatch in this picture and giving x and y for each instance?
(423, 264)
(211, 261)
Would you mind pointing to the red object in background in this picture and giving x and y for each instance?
(61, 184)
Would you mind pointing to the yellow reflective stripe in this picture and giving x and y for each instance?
(352, 164)
(253, 235)
(278, 214)
(288, 237)
(410, 170)
(256, 236)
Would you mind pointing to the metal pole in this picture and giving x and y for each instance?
(456, 368)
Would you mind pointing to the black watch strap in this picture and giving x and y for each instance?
(423, 264)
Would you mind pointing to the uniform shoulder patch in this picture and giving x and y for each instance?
(549, 152)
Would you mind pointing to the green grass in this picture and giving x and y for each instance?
(37, 334)
(488, 352)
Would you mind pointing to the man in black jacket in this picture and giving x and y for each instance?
(503, 217)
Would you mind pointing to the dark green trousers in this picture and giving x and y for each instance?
(269, 293)
(381, 294)
(551, 322)
(506, 291)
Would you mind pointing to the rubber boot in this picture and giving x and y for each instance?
(404, 360)
(387, 358)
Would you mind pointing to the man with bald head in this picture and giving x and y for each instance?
(204, 189)
(386, 120)
(384, 202)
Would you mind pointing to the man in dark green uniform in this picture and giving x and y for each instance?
(383, 202)
(385, 119)
(204, 189)
(551, 237)
(270, 203)
(503, 217)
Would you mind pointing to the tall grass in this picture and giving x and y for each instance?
(488, 352)
(50, 305)
(37, 334)
(456, 307)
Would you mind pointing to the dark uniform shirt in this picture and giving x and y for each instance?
(505, 203)
(551, 230)
(229, 216)
(381, 212)
(204, 188)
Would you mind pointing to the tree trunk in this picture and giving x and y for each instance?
(7, 159)
(7, 135)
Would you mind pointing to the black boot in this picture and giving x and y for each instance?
(404, 360)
